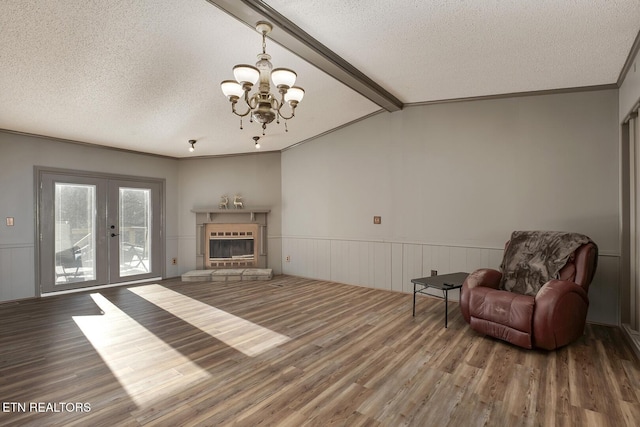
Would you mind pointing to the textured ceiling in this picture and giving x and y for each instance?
(144, 75)
(434, 50)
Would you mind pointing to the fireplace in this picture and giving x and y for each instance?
(231, 245)
(231, 238)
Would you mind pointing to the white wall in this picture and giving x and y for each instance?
(255, 177)
(19, 156)
(451, 181)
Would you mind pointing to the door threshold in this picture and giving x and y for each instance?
(91, 288)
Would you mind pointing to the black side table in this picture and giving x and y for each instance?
(445, 283)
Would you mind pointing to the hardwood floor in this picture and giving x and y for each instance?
(293, 352)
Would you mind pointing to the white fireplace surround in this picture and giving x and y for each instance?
(242, 233)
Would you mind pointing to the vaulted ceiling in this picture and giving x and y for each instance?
(144, 75)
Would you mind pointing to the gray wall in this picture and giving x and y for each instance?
(630, 89)
(451, 181)
(629, 96)
(189, 183)
(255, 177)
(19, 156)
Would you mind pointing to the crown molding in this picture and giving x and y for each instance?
(635, 48)
(125, 150)
(517, 94)
(86, 144)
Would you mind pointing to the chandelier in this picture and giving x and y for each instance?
(263, 106)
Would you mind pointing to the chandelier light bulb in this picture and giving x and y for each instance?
(193, 143)
(256, 138)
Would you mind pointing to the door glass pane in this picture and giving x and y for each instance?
(75, 207)
(134, 227)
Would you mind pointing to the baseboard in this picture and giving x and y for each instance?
(633, 337)
(98, 287)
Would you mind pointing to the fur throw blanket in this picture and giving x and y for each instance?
(535, 257)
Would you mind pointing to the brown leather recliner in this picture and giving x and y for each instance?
(554, 317)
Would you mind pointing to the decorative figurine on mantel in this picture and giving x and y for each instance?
(237, 202)
(224, 202)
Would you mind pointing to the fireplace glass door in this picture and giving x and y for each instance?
(231, 248)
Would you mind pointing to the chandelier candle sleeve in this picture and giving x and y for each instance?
(263, 106)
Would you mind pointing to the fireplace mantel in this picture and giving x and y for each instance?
(212, 211)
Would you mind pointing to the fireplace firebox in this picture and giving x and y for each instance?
(230, 248)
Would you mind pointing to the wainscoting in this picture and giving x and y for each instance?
(172, 250)
(392, 265)
(380, 265)
(17, 278)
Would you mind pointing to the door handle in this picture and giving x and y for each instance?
(114, 234)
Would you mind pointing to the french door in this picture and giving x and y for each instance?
(97, 230)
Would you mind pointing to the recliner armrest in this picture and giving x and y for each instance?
(486, 277)
(483, 277)
(555, 289)
(559, 314)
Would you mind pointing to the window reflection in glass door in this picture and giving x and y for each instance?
(134, 227)
(75, 231)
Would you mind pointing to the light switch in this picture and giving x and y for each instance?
(9, 221)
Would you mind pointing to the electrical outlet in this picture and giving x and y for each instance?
(434, 273)
(174, 261)
(288, 258)
(377, 220)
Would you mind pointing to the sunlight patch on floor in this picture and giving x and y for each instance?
(147, 368)
(243, 335)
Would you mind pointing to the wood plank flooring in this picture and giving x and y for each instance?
(293, 352)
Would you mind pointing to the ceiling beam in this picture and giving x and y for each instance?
(296, 40)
